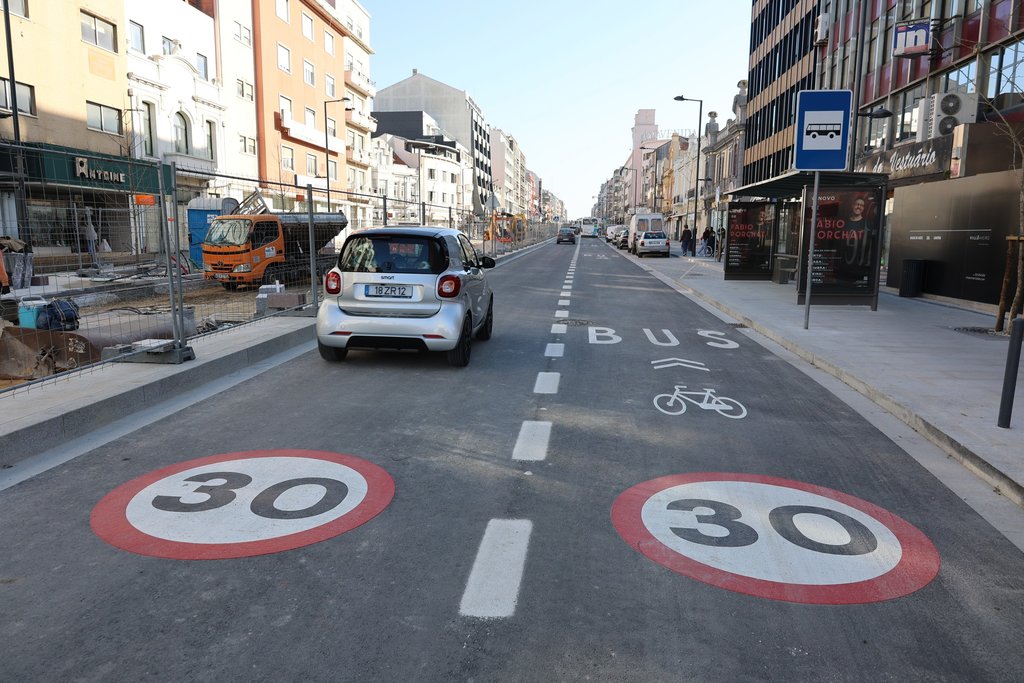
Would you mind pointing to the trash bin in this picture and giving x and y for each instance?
(912, 277)
(28, 309)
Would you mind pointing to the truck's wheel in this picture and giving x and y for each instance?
(331, 353)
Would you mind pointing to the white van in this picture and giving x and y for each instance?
(643, 222)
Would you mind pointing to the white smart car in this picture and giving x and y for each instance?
(418, 288)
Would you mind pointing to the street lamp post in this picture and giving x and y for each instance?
(327, 148)
(696, 172)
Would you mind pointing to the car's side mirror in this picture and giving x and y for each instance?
(487, 262)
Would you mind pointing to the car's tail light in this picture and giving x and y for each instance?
(332, 283)
(666, 243)
(641, 243)
(449, 287)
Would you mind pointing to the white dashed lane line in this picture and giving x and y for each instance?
(561, 314)
(493, 586)
(563, 302)
(533, 440)
(559, 328)
(547, 383)
(554, 350)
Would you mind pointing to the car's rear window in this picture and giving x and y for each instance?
(392, 254)
(654, 235)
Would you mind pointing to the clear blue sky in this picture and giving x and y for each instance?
(565, 77)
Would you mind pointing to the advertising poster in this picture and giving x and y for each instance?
(846, 246)
(748, 245)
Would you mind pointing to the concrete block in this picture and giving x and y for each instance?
(286, 300)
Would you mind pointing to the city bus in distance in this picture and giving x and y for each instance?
(589, 227)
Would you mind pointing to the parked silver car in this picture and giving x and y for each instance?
(652, 242)
(406, 288)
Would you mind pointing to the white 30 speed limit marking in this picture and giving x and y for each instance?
(242, 504)
(775, 538)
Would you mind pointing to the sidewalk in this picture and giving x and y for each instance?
(908, 357)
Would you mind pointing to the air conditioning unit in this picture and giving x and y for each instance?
(821, 27)
(951, 109)
(924, 118)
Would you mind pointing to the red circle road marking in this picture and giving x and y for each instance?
(917, 565)
(109, 519)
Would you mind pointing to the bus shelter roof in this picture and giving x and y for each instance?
(791, 185)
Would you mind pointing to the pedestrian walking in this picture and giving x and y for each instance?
(687, 236)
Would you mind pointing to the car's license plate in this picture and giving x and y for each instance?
(391, 291)
(220, 276)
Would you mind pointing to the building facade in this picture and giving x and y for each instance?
(950, 73)
(313, 97)
(509, 166)
(782, 62)
(66, 165)
(457, 113)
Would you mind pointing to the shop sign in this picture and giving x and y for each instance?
(82, 170)
(912, 38)
(911, 160)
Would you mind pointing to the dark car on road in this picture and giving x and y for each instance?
(622, 239)
(565, 235)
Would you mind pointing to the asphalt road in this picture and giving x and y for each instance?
(543, 526)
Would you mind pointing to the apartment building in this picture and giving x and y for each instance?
(509, 177)
(305, 85)
(457, 113)
(69, 127)
(176, 114)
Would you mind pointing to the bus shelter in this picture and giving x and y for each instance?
(770, 233)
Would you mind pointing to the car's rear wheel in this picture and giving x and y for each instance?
(331, 353)
(459, 356)
(484, 333)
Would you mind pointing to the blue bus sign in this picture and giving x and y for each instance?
(823, 119)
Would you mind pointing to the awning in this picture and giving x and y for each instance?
(792, 184)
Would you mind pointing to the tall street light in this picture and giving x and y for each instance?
(327, 147)
(696, 171)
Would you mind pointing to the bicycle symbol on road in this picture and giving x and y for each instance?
(705, 399)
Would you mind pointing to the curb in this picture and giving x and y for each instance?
(30, 439)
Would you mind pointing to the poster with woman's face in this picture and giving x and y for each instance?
(845, 241)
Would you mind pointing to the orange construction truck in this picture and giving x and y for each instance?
(251, 249)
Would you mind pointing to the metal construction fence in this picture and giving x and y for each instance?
(105, 256)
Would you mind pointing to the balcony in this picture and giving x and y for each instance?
(362, 121)
(361, 82)
(190, 162)
(358, 156)
(311, 136)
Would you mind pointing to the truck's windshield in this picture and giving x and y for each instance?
(229, 231)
